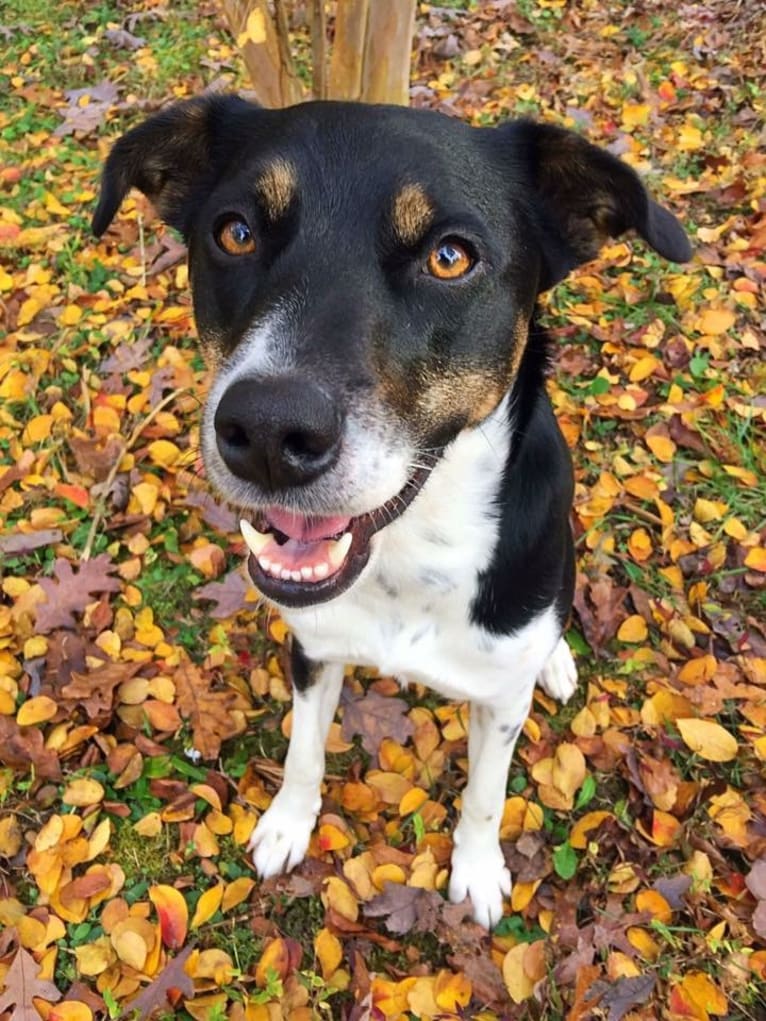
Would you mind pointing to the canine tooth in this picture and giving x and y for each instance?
(338, 549)
(321, 570)
(256, 541)
(264, 562)
(307, 573)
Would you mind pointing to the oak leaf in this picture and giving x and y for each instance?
(375, 717)
(214, 715)
(22, 984)
(69, 592)
(164, 992)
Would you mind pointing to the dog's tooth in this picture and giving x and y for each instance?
(285, 575)
(256, 541)
(295, 575)
(275, 570)
(337, 550)
(264, 562)
(307, 573)
(321, 570)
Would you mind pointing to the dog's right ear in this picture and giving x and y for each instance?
(169, 157)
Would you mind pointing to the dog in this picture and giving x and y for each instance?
(364, 281)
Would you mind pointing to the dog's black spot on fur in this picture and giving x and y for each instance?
(302, 669)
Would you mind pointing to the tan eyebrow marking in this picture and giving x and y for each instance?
(412, 213)
(276, 186)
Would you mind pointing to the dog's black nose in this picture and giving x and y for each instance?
(278, 433)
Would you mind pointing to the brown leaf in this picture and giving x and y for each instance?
(71, 592)
(82, 120)
(94, 691)
(18, 543)
(21, 748)
(215, 514)
(374, 717)
(756, 879)
(160, 995)
(228, 595)
(405, 908)
(212, 713)
(22, 984)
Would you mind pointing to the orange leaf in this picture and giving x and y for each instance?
(452, 991)
(78, 495)
(276, 957)
(756, 559)
(633, 629)
(39, 709)
(173, 914)
(578, 838)
(237, 891)
(655, 904)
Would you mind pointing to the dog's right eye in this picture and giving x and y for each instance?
(235, 238)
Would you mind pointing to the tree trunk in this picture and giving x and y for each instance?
(370, 58)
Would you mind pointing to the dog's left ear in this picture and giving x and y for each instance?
(168, 157)
(588, 196)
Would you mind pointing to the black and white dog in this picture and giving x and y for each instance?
(364, 282)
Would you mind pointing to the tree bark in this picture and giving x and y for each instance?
(387, 52)
(273, 79)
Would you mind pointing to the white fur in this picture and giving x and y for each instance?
(376, 458)
(409, 615)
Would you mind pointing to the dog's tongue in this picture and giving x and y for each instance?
(296, 526)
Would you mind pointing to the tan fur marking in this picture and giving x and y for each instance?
(412, 214)
(276, 187)
(520, 337)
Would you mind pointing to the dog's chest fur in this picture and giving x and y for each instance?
(409, 614)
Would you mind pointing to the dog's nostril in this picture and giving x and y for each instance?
(305, 444)
(234, 435)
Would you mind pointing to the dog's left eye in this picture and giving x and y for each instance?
(449, 260)
(235, 238)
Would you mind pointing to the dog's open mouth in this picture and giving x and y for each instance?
(298, 560)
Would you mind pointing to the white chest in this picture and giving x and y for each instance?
(409, 613)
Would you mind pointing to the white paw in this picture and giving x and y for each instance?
(558, 678)
(484, 878)
(281, 838)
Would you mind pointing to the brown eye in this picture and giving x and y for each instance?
(449, 260)
(235, 238)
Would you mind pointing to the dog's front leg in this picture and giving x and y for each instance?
(478, 866)
(280, 839)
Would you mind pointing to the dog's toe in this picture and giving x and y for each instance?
(486, 880)
(558, 678)
(280, 840)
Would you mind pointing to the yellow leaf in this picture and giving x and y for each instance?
(237, 891)
(71, 1010)
(704, 994)
(519, 985)
(83, 792)
(207, 905)
(93, 958)
(689, 138)
(39, 709)
(37, 429)
(640, 545)
(756, 559)
(633, 629)
(451, 991)
(412, 801)
(70, 316)
(578, 838)
(163, 453)
(10, 836)
(337, 895)
(716, 321)
(129, 944)
(635, 115)
(708, 739)
(643, 368)
(276, 957)
(655, 904)
(699, 670)
(662, 447)
(329, 952)
(255, 29)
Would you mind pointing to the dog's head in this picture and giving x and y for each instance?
(363, 280)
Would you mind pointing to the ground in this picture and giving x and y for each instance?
(635, 824)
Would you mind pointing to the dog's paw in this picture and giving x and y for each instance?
(558, 678)
(281, 839)
(484, 878)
